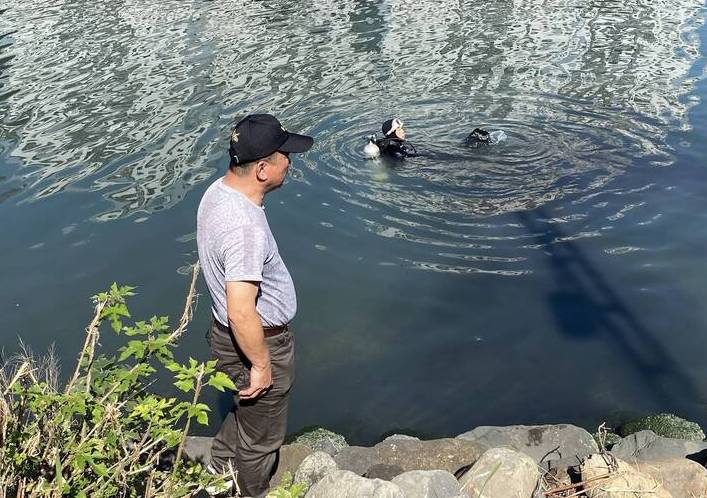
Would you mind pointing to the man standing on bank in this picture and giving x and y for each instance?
(253, 299)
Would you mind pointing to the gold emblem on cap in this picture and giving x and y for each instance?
(234, 136)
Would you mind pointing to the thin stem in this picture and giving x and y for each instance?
(187, 313)
(570, 487)
(90, 331)
(197, 392)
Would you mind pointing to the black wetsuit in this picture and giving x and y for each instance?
(395, 147)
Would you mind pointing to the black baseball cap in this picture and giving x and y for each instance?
(258, 135)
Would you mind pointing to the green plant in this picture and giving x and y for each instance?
(104, 434)
(288, 489)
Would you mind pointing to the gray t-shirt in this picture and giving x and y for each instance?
(235, 244)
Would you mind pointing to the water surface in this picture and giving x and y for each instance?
(558, 276)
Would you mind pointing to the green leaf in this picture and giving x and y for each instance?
(203, 407)
(134, 348)
(173, 367)
(97, 413)
(132, 331)
(221, 381)
(202, 418)
(99, 469)
(185, 385)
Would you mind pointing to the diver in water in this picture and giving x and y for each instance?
(393, 143)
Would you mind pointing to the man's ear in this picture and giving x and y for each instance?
(260, 172)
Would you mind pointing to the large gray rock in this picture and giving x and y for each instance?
(291, 456)
(623, 481)
(646, 445)
(437, 454)
(357, 459)
(345, 484)
(427, 484)
(314, 468)
(679, 476)
(383, 471)
(501, 473)
(540, 442)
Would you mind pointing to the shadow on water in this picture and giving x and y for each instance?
(585, 305)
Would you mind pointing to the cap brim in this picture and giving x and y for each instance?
(296, 143)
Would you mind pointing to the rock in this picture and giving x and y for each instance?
(679, 476)
(329, 446)
(383, 471)
(437, 454)
(625, 482)
(322, 439)
(291, 456)
(501, 473)
(357, 459)
(646, 445)
(427, 484)
(540, 442)
(198, 449)
(401, 437)
(345, 484)
(314, 467)
(666, 425)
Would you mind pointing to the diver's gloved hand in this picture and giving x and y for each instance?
(408, 150)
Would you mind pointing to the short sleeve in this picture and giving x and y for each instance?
(244, 253)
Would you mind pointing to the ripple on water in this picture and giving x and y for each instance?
(134, 101)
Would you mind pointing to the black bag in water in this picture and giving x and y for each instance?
(477, 138)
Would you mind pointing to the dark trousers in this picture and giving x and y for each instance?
(253, 431)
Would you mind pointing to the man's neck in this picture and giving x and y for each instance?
(244, 186)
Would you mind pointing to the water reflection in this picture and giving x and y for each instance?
(133, 100)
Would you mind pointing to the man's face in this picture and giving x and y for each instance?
(277, 166)
(400, 133)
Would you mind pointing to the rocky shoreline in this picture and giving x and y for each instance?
(644, 459)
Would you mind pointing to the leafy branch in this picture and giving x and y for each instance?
(105, 434)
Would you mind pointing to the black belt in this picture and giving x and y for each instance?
(267, 331)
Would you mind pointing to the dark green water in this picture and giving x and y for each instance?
(557, 277)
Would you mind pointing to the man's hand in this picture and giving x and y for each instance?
(260, 382)
(248, 332)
